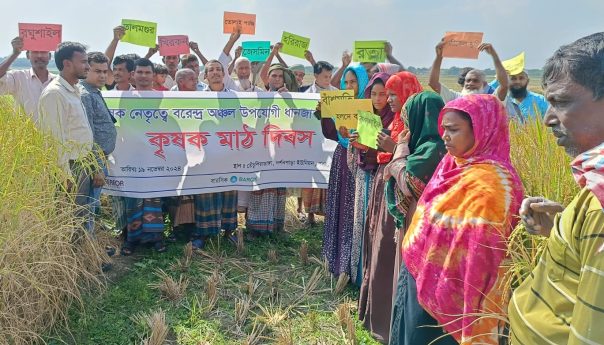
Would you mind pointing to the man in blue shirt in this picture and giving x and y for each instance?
(526, 105)
(531, 104)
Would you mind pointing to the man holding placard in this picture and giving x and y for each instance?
(475, 81)
(25, 85)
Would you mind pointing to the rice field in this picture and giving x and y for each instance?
(267, 291)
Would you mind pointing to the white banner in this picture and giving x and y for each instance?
(179, 143)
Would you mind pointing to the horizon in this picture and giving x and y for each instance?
(331, 32)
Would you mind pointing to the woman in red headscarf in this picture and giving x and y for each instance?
(379, 248)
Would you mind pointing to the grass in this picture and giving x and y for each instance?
(46, 259)
(274, 291)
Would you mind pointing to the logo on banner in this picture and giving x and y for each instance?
(233, 179)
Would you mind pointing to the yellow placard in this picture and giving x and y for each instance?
(329, 97)
(514, 65)
(346, 111)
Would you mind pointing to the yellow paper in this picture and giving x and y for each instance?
(329, 97)
(514, 65)
(346, 111)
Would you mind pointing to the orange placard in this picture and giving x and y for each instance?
(462, 44)
(247, 22)
(40, 37)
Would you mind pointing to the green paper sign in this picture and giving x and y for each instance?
(256, 51)
(140, 33)
(369, 126)
(369, 51)
(294, 45)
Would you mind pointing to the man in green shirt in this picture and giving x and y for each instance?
(562, 300)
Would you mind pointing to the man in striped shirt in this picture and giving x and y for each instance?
(562, 301)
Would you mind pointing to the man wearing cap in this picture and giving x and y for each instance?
(25, 85)
(300, 72)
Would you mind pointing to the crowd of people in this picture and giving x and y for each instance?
(419, 225)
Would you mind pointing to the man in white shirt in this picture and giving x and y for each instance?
(63, 115)
(243, 69)
(25, 85)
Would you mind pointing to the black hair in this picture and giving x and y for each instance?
(322, 66)
(124, 59)
(160, 69)
(465, 116)
(97, 57)
(214, 61)
(188, 58)
(65, 51)
(582, 61)
(462, 75)
(144, 62)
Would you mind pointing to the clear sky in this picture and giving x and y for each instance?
(413, 27)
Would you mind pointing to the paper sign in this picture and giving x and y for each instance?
(369, 51)
(462, 44)
(40, 37)
(294, 45)
(368, 128)
(329, 97)
(256, 50)
(346, 112)
(140, 33)
(514, 65)
(173, 45)
(247, 22)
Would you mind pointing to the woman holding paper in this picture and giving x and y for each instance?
(362, 162)
(379, 248)
(456, 243)
(339, 208)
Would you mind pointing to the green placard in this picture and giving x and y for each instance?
(369, 126)
(294, 45)
(256, 50)
(140, 33)
(369, 51)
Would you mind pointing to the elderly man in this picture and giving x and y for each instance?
(62, 114)
(25, 85)
(562, 300)
(475, 81)
(189, 61)
(243, 69)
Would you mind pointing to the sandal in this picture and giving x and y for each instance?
(232, 237)
(198, 243)
(160, 247)
(302, 216)
(127, 249)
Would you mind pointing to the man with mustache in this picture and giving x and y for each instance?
(25, 85)
(62, 114)
(475, 80)
(562, 300)
(531, 104)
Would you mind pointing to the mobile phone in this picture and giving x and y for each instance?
(386, 131)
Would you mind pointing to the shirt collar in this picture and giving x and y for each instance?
(33, 75)
(68, 86)
(89, 87)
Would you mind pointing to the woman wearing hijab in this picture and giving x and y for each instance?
(456, 242)
(362, 162)
(339, 206)
(266, 210)
(379, 248)
(416, 157)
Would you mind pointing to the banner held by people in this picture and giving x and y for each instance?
(197, 142)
